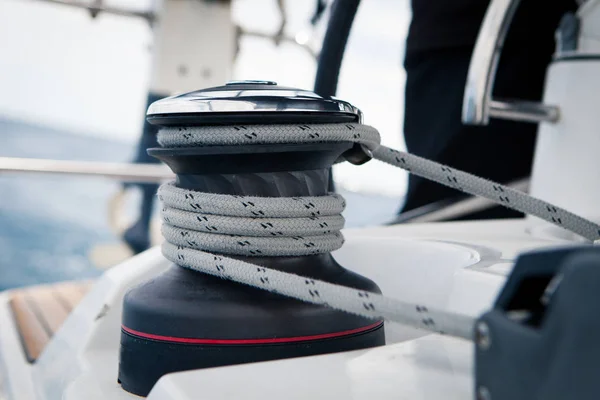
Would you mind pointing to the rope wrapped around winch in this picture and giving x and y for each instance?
(197, 225)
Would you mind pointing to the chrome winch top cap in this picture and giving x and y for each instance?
(250, 102)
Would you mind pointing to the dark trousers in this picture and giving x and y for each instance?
(501, 151)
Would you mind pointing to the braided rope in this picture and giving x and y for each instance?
(367, 304)
(369, 137)
(197, 225)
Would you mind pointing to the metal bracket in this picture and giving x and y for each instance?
(478, 105)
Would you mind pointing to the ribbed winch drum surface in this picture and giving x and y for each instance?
(184, 319)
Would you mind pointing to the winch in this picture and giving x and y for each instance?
(184, 319)
(249, 219)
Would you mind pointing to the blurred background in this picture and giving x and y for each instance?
(74, 87)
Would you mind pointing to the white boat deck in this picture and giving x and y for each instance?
(458, 267)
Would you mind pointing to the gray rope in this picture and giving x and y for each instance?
(500, 194)
(314, 291)
(250, 206)
(232, 225)
(267, 134)
(249, 225)
(369, 137)
(196, 224)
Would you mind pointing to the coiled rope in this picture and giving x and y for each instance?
(198, 227)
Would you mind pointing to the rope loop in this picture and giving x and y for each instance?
(200, 227)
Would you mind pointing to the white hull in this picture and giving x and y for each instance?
(456, 266)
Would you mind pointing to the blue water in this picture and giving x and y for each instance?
(49, 223)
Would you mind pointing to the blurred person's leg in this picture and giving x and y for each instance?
(137, 236)
(438, 52)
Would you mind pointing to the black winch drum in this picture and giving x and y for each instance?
(183, 319)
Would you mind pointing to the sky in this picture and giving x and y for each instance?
(62, 69)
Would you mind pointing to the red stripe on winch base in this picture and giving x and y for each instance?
(250, 341)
